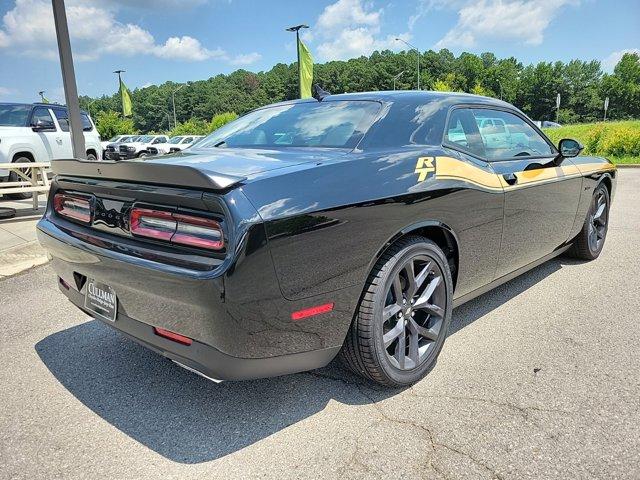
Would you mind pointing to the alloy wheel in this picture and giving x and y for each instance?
(598, 217)
(414, 311)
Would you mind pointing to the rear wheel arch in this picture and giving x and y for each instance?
(606, 181)
(92, 151)
(18, 155)
(436, 231)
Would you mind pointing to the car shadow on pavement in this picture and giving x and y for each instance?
(190, 420)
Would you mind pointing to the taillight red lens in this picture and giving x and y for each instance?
(73, 207)
(177, 228)
(176, 337)
(152, 223)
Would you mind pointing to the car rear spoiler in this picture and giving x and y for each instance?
(146, 172)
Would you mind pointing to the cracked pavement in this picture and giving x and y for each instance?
(539, 378)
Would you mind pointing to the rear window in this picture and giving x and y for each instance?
(14, 115)
(329, 124)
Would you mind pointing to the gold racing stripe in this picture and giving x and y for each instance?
(448, 168)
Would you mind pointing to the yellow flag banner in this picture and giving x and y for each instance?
(126, 99)
(305, 70)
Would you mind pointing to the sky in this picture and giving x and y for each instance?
(186, 40)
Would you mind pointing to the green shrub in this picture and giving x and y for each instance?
(611, 139)
(109, 124)
(221, 119)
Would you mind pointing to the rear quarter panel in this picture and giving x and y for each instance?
(327, 225)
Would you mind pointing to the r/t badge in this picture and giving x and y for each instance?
(425, 167)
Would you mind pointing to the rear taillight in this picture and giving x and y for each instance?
(73, 207)
(176, 228)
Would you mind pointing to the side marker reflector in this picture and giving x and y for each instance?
(176, 337)
(310, 312)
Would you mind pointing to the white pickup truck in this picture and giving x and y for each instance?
(40, 133)
(140, 147)
(175, 144)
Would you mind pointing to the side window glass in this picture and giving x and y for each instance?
(462, 132)
(86, 123)
(63, 119)
(41, 114)
(506, 135)
(187, 140)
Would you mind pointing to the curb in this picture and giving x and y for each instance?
(628, 165)
(20, 258)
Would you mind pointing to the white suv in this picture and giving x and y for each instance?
(40, 133)
(139, 148)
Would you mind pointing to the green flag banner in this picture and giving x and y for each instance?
(126, 99)
(305, 70)
(45, 99)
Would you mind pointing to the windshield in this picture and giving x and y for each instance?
(175, 140)
(333, 124)
(144, 139)
(114, 139)
(14, 115)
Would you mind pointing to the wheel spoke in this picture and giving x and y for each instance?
(428, 292)
(421, 277)
(413, 347)
(432, 309)
(411, 281)
(429, 333)
(599, 212)
(390, 310)
(397, 289)
(394, 333)
(400, 348)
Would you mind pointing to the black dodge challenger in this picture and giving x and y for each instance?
(352, 225)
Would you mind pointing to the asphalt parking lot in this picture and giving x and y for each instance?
(538, 379)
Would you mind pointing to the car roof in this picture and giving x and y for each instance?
(38, 104)
(409, 96)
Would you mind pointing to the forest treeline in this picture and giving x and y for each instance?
(583, 86)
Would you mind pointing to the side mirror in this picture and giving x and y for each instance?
(569, 148)
(43, 126)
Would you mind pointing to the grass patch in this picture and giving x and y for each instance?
(617, 141)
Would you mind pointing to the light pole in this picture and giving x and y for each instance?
(118, 72)
(417, 51)
(296, 29)
(396, 78)
(173, 100)
(69, 79)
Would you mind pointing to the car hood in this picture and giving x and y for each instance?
(245, 162)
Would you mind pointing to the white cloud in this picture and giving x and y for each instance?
(28, 29)
(425, 6)
(4, 91)
(350, 28)
(609, 63)
(523, 21)
(187, 48)
(246, 59)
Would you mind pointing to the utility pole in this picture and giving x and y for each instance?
(173, 100)
(398, 39)
(606, 107)
(69, 79)
(297, 30)
(396, 78)
(119, 72)
(558, 108)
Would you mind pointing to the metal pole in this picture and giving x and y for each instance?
(118, 72)
(297, 30)
(398, 39)
(173, 100)
(69, 79)
(396, 77)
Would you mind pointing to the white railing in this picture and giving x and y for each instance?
(33, 178)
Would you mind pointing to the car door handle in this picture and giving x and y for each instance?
(59, 141)
(510, 178)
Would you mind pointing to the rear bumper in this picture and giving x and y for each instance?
(207, 360)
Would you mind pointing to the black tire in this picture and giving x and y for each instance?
(13, 177)
(590, 241)
(364, 350)
(142, 155)
(91, 157)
